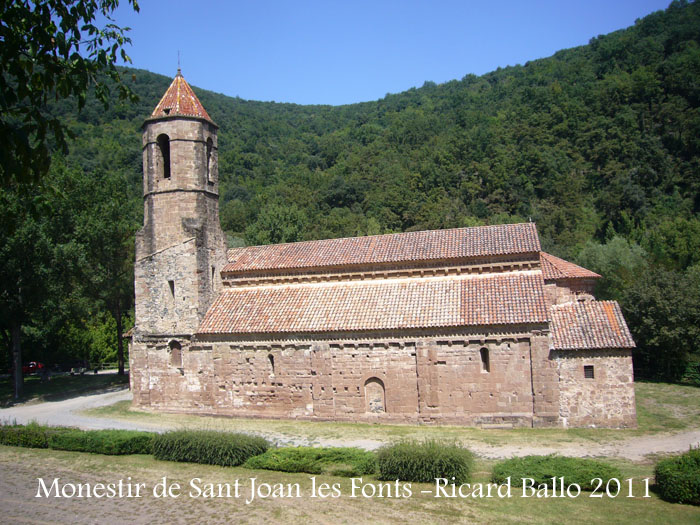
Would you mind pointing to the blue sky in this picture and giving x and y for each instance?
(340, 52)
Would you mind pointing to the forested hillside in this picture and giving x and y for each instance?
(599, 145)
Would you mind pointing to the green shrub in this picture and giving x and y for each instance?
(337, 461)
(110, 442)
(543, 468)
(209, 447)
(424, 461)
(32, 435)
(678, 478)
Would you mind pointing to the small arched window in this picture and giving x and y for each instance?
(163, 142)
(175, 354)
(485, 362)
(210, 161)
(271, 359)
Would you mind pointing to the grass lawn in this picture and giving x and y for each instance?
(19, 469)
(667, 407)
(660, 407)
(60, 387)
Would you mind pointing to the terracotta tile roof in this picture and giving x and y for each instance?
(504, 299)
(455, 243)
(179, 99)
(555, 268)
(589, 325)
(379, 305)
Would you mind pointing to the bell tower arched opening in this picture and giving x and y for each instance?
(163, 142)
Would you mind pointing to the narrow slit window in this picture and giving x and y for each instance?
(588, 372)
(164, 149)
(175, 354)
(213, 274)
(171, 285)
(271, 359)
(210, 149)
(485, 361)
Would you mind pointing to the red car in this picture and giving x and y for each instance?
(32, 367)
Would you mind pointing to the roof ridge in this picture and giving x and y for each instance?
(380, 282)
(377, 235)
(596, 301)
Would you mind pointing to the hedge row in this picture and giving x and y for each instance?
(110, 442)
(214, 448)
(31, 435)
(348, 462)
(543, 468)
(423, 461)
(678, 478)
(207, 446)
(408, 460)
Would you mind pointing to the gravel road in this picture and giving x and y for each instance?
(67, 412)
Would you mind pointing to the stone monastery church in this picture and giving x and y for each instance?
(472, 326)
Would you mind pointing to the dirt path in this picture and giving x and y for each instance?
(67, 413)
(635, 448)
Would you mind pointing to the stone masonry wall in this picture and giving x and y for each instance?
(545, 381)
(314, 380)
(161, 309)
(424, 379)
(457, 384)
(159, 380)
(607, 400)
(566, 290)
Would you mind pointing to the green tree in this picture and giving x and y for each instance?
(105, 226)
(619, 262)
(52, 49)
(277, 223)
(675, 242)
(39, 257)
(663, 310)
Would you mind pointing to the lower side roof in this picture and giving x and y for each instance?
(516, 298)
(589, 325)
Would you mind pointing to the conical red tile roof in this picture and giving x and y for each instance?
(179, 99)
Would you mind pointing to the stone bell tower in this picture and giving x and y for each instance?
(181, 248)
